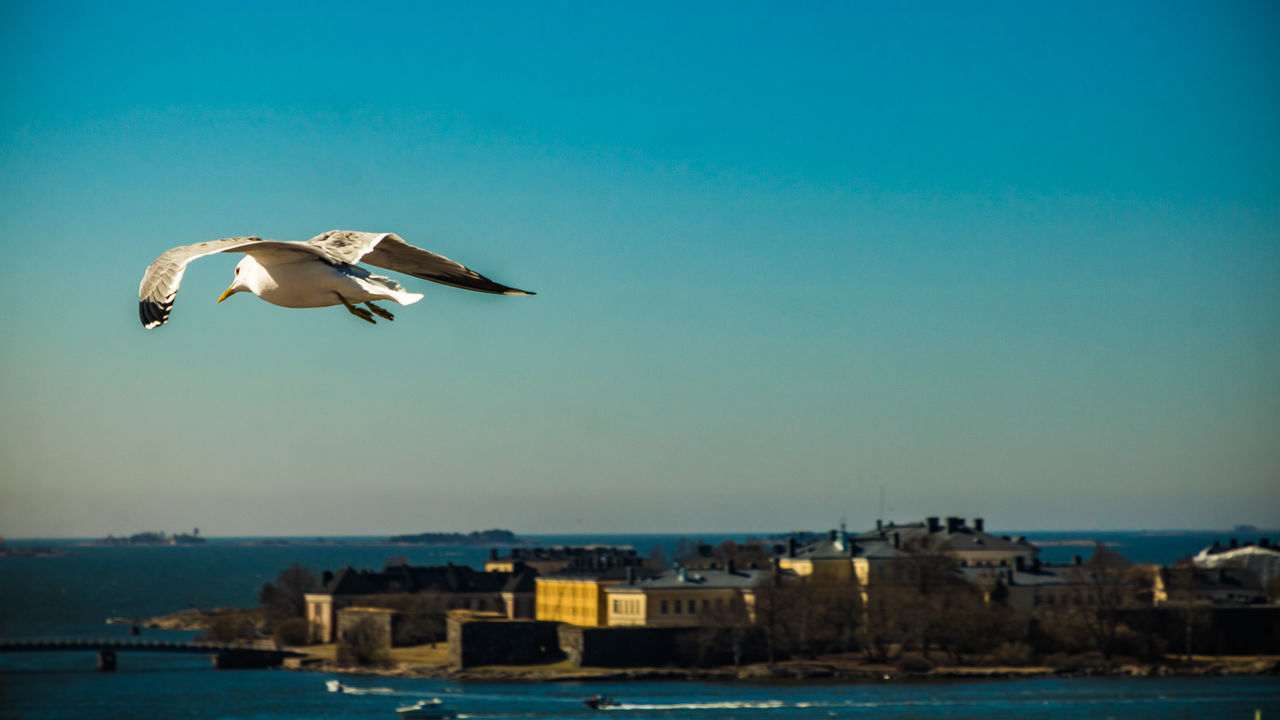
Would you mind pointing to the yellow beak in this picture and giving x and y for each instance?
(227, 293)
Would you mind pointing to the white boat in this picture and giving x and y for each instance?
(431, 709)
(338, 687)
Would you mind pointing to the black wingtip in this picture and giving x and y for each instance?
(153, 314)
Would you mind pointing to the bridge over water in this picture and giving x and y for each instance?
(225, 655)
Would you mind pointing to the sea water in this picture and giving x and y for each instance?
(73, 595)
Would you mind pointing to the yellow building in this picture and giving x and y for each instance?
(577, 597)
(685, 598)
(829, 560)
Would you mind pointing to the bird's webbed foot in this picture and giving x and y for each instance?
(381, 312)
(358, 312)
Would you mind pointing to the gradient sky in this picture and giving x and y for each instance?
(1018, 260)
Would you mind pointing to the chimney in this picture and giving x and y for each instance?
(979, 525)
(1020, 563)
(1234, 543)
(954, 524)
(681, 573)
(934, 526)
(897, 541)
(831, 536)
(729, 566)
(493, 553)
(791, 546)
(631, 575)
(1077, 560)
(1264, 543)
(326, 577)
(879, 524)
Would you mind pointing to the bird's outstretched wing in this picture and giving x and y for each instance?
(163, 276)
(387, 250)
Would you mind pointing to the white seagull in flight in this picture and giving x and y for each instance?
(317, 273)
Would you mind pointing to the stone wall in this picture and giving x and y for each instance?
(474, 642)
(1214, 630)
(657, 647)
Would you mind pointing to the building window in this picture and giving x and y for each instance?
(677, 603)
(664, 607)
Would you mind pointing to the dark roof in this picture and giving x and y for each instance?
(835, 546)
(599, 574)
(577, 555)
(695, 580)
(960, 536)
(409, 579)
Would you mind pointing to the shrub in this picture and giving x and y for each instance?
(1014, 654)
(294, 631)
(361, 644)
(227, 626)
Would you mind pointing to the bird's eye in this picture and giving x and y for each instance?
(237, 271)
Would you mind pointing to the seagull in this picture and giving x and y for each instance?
(317, 273)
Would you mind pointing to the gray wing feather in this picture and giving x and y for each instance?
(163, 276)
(346, 246)
(392, 253)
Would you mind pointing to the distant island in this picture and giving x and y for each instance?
(478, 537)
(10, 551)
(153, 538)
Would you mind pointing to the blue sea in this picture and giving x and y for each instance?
(73, 595)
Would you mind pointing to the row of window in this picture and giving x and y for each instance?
(678, 607)
(626, 607)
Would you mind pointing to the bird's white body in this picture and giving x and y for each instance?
(317, 273)
(310, 284)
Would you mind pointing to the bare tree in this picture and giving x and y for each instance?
(925, 573)
(772, 611)
(285, 598)
(840, 615)
(724, 631)
(883, 630)
(1107, 581)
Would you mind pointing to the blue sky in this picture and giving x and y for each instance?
(1018, 260)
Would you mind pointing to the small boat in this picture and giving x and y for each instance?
(595, 702)
(431, 709)
(338, 687)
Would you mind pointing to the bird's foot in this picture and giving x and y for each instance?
(358, 312)
(381, 312)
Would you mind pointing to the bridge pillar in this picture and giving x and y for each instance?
(106, 660)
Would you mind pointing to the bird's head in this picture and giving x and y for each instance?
(247, 274)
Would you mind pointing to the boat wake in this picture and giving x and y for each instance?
(725, 705)
(338, 687)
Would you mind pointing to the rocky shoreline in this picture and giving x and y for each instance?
(787, 672)
(189, 619)
(839, 670)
